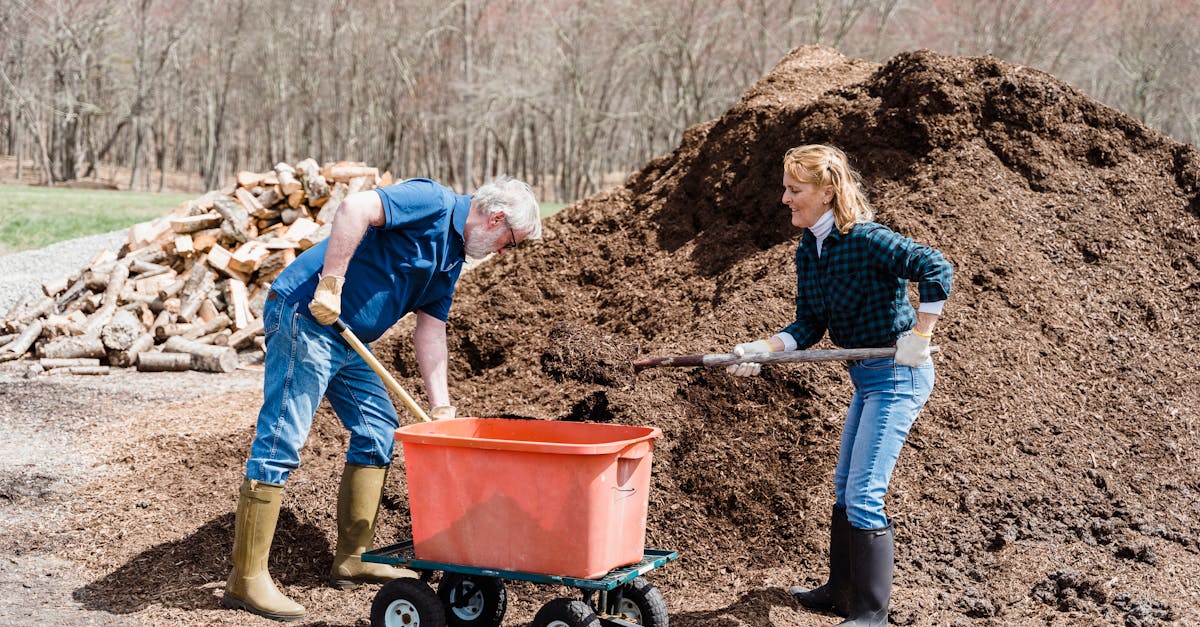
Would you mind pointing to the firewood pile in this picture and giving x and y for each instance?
(186, 291)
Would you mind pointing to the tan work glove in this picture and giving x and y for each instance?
(326, 304)
(443, 412)
(913, 349)
(748, 369)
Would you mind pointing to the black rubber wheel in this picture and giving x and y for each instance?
(407, 603)
(566, 613)
(641, 603)
(473, 601)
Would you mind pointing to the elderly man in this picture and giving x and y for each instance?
(392, 251)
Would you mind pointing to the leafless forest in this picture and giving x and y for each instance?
(567, 94)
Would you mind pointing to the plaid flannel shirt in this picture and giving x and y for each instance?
(857, 288)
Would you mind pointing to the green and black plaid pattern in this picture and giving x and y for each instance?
(857, 289)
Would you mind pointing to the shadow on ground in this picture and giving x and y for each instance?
(752, 608)
(184, 573)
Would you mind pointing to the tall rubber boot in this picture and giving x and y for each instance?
(249, 586)
(872, 555)
(833, 595)
(358, 506)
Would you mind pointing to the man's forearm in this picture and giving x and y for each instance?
(429, 343)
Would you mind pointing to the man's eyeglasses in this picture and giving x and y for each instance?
(512, 243)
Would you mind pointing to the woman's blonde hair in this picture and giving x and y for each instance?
(826, 165)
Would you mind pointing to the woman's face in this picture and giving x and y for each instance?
(806, 200)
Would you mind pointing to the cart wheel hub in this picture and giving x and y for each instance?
(470, 608)
(401, 613)
(629, 611)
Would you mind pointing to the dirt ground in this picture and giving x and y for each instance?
(1051, 480)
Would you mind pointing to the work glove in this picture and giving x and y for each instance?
(748, 369)
(326, 303)
(443, 412)
(913, 349)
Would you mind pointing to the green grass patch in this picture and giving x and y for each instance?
(550, 208)
(33, 217)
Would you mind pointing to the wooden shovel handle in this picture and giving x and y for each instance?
(387, 377)
(726, 359)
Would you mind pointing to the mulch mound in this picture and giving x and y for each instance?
(1052, 477)
(1064, 414)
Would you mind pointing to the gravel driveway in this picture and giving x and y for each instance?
(24, 272)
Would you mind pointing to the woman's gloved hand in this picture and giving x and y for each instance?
(748, 369)
(913, 349)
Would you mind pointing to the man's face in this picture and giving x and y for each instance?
(486, 239)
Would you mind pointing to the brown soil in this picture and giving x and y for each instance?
(1051, 479)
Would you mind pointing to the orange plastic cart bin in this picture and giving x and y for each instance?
(537, 496)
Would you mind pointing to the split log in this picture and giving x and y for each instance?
(120, 333)
(72, 347)
(53, 287)
(164, 362)
(49, 363)
(148, 233)
(248, 257)
(77, 287)
(237, 219)
(129, 357)
(248, 201)
(222, 321)
(342, 171)
(195, 290)
(329, 209)
(204, 357)
(270, 196)
(24, 340)
(288, 184)
(315, 185)
(246, 178)
(41, 308)
(165, 331)
(220, 338)
(192, 224)
(112, 292)
(183, 245)
(246, 336)
(207, 311)
(237, 300)
(220, 259)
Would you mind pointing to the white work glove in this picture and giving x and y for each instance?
(443, 412)
(748, 369)
(913, 349)
(326, 304)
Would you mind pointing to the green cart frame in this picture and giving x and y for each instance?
(468, 596)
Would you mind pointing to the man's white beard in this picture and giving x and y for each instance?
(480, 243)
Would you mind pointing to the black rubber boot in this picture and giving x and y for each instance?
(834, 595)
(872, 555)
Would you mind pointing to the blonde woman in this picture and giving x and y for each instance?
(852, 276)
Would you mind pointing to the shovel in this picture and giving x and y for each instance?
(388, 380)
(727, 359)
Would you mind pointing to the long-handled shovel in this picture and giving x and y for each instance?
(726, 359)
(388, 380)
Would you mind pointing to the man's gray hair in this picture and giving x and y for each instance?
(515, 198)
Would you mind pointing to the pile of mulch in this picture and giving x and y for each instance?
(1052, 478)
(1054, 469)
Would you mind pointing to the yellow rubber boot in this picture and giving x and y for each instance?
(250, 586)
(358, 505)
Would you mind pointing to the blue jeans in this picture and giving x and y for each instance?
(304, 362)
(887, 398)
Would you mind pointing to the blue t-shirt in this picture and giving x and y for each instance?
(411, 263)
